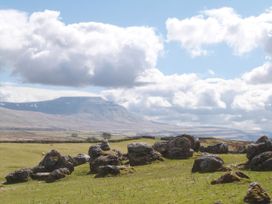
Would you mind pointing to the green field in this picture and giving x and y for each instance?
(170, 181)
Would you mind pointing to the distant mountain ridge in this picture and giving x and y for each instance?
(96, 114)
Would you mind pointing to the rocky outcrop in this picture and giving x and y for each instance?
(220, 148)
(194, 141)
(230, 177)
(256, 195)
(208, 163)
(18, 176)
(141, 154)
(261, 162)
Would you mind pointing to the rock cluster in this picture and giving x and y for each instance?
(256, 195)
(105, 161)
(259, 155)
(220, 148)
(180, 147)
(52, 167)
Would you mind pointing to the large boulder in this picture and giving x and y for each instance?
(54, 160)
(103, 161)
(208, 163)
(256, 149)
(57, 174)
(18, 176)
(141, 154)
(256, 195)
(261, 162)
(220, 148)
(81, 159)
(179, 148)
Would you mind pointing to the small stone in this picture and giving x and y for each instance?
(256, 195)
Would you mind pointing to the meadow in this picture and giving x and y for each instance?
(170, 181)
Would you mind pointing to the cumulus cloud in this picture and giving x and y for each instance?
(190, 99)
(222, 25)
(40, 48)
(259, 75)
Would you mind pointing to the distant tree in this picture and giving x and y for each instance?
(91, 139)
(74, 135)
(106, 135)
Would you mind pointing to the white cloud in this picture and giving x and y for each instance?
(13, 93)
(40, 48)
(189, 99)
(259, 75)
(222, 25)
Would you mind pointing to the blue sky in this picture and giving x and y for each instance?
(154, 13)
(186, 62)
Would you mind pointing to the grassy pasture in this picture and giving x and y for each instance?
(170, 181)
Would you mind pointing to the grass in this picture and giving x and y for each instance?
(170, 181)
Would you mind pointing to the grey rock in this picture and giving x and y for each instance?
(141, 154)
(207, 163)
(57, 174)
(103, 161)
(21, 175)
(261, 162)
(81, 159)
(220, 148)
(255, 149)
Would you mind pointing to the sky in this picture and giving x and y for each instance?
(194, 63)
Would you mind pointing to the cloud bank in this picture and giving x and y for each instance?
(222, 25)
(40, 48)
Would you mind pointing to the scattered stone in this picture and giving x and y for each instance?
(111, 170)
(141, 154)
(103, 161)
(256, 195)
(208, 163)
(220, 148)
(230, 177)
(81, 159)
(18, 176)
(54, 160)
(256, 149)
(105, 145)
(261, 162)
(57, 174)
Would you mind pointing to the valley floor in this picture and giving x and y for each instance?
(170, 181)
